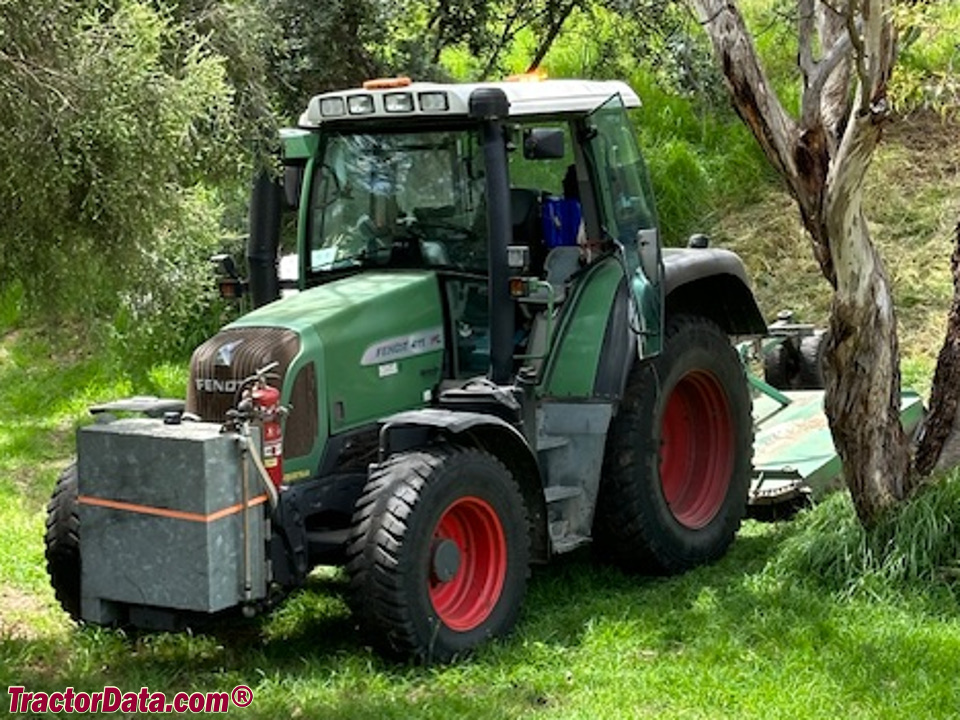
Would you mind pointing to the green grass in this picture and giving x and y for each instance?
(756, 635)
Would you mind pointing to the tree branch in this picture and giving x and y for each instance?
(835, 101)
(859, 53)
(755, 100)
(805, 38)
(555, 27)
(508, 33)
(825, 67)
(836, 49)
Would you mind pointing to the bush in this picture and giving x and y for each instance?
(117, 124)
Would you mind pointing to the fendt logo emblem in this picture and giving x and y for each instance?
(212, 385)
(225, 353)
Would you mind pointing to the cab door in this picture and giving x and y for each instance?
(628, 214)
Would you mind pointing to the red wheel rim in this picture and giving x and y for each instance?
(696, 457)
(464, 601)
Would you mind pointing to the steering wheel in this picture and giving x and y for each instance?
(465, 244)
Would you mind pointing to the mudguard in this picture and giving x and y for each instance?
(415, 428)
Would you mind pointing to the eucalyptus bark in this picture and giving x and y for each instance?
(823, 156)
(939, 440)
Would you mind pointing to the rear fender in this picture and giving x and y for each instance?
(416, 428)
(712, 283)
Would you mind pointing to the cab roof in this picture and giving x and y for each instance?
(398, 98)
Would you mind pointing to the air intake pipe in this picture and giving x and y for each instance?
(264, 239)
(491, 106)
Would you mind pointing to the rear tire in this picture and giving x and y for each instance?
(439, 553)
(62, 541)
(781, 365)
(811, 363)
(678, 459)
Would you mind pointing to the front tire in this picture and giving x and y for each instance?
(678, 460)
(62, 542)
(439, 553)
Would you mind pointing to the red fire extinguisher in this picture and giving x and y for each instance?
(266, 403)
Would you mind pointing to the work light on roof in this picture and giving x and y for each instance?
(434, 102)
(398, 102)
(332, 107)
(360, 104)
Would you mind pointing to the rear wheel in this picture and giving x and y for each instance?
(62, 541)
(781, 365)
(678, 459)
(438, 554)
(811, 362)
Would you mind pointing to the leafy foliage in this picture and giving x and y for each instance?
(927, 76)
(118, 120)
(322, 46)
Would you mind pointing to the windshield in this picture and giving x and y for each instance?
(399, 199)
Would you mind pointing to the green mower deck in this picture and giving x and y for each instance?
(794, 454)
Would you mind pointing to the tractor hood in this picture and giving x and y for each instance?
(350, 352)
(376, 338)
(353, 307)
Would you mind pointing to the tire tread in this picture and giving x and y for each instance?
(376, 564)
(62, 542)
(625, 530)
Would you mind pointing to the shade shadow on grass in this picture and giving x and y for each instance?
(730, 637)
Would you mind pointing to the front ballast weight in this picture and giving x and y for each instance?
(185, 508)
(182, 509)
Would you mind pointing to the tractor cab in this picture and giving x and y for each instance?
(505, 190)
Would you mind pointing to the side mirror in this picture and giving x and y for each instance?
(229, 282)
(543, 144)
(292, 185)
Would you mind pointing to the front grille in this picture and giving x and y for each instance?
(218, 366)
(302, 425)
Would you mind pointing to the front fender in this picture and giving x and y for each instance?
(415, 428)
(712, 283)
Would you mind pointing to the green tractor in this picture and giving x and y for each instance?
(486, 359)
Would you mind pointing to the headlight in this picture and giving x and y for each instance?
(331, 107)
(360, 104)
(398, 102)
(434, 102)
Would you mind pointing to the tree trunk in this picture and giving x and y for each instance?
(862, 398)
(823, 158)
(938, 445)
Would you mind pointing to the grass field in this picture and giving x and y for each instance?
(744, 638)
